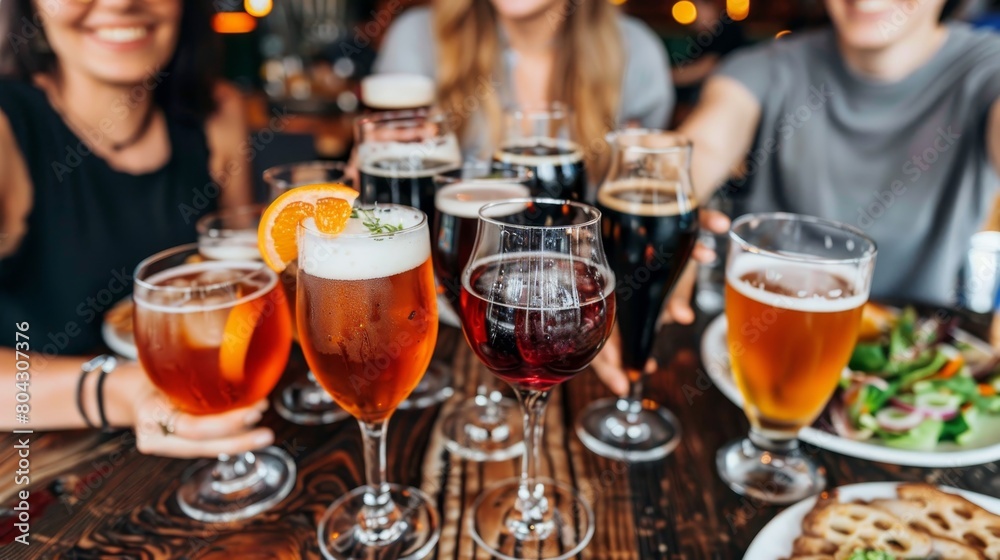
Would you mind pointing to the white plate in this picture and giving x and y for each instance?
(776, 538)
(715, 356)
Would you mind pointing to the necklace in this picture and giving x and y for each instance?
(137, 134)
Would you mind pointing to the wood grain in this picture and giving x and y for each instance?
(95, 496)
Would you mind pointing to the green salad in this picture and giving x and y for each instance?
(871, 555)
(914, 384)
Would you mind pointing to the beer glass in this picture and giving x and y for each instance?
(479, 429)
(650, 225)
(541, 139)
(230, 234)
(538, 303)
(795, 289)
(368, 323)
(399, 154)
(214, 336)
(303, 401)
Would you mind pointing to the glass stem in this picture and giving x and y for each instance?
(237, 473)
(378, 514)
(633, 403)
(531, 500)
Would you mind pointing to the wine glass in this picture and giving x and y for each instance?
(650, 225)
(368, 324)
(214, 336)
(303, 401)
(478, 429)
(230, 234)
(795, 289)
(538, 303)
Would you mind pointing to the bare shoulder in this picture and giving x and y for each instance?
(15, 190)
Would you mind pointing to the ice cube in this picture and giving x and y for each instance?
(204, 328)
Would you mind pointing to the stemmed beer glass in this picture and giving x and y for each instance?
(795, 289)
(214, 336)
(538, 303)
(650, 225)
(368, 323)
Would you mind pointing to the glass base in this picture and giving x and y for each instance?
(434, 388)
(498, 527)
(413, 535)
(204, 497)
(471, 433)
(307, 403)
(775, 473)
(605, 429)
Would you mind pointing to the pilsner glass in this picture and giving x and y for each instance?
(399, 154)
(538, 303)
(542, 140)
(214, 336)
(650, 225)
(303, 401)
(478, 429)
(795, 288)
(368, 323)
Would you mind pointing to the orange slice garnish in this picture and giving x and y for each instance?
(240, 326)
(328, 203)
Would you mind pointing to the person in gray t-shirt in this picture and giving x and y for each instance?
(889, 122)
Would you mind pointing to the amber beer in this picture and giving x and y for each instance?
(367, 310)
(213, 336)
(791, 330)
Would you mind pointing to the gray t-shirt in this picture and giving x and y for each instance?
(906, 161)
(647, 95)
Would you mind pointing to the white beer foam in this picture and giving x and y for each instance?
(211, 273)
(748, 263)
(463, 200)
(447, 152)
(356, 254)
(397, 91)
(575, 154)
(667, 203)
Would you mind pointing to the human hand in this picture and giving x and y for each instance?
(678, 308)
(161, 429)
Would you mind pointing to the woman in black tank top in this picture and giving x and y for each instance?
(114, 139)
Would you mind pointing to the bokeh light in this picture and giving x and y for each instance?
(233, 22)
(684, 12)
(738, 10)
(258, 8)
(782, 33)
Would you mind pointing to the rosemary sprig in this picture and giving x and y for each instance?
(374, 223)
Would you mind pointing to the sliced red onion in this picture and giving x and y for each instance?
(931, 405)
(938, 406)
(895, 419)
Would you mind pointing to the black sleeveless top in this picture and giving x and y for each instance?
(90, 225)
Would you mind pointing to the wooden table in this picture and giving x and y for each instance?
(97, 497)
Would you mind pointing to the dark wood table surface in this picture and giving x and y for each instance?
(95, 496)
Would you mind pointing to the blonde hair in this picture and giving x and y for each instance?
(589, 61)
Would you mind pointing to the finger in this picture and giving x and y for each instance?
(607, 364)
(679, 305)
(714, 221)
(174, 446)
(214, 426)
(703, 254)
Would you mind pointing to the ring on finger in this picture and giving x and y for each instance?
(169, 425)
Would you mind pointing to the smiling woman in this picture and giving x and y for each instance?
(113, 127)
